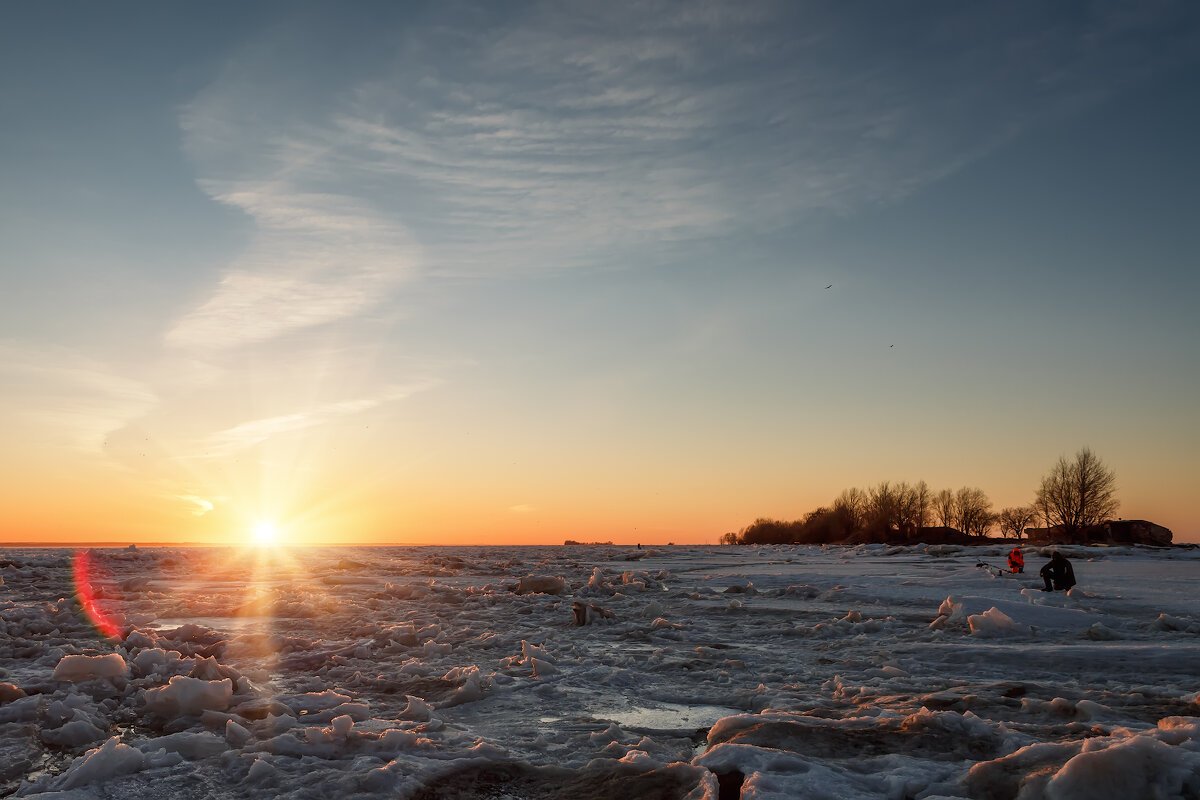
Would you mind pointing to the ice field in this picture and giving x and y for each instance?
(700, 672)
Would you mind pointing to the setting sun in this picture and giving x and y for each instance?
(265, 534)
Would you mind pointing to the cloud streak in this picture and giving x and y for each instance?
(585, 135)
(254, 432)
(316, 259)
(61, 396)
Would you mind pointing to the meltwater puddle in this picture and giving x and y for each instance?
(223, 624)
(672, 718)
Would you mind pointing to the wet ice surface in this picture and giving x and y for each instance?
(771, 672)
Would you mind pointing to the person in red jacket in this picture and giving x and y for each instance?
(1016, 561)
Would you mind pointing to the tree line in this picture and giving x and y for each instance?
(1073, 495)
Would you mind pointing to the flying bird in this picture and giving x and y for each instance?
(830, 286)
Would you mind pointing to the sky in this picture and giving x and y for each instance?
(518, 273)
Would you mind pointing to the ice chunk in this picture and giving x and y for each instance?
(189, 745)
(22, 709)
(75, 733)
(542, 668)
(1099, 632)
(109, 760)
(18, 753)
(261, 771)
(990, 623)
(400, 634)
(10, 692)
(86, 668)
(588, 614)
(653, 609)
(1166, 622)
(541, 584)
(952, 609)
(208, 669)
(535, 651)
(142, 638)
(315, 701)
(596, 581)
(417, 710)
(274, 725)
(192, 696)
(1140, 766)
(432, 649)
(235, 734)
(154, 659)
(470, 691)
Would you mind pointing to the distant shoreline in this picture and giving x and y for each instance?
(147, 545)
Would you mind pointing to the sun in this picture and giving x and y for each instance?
(265, 534)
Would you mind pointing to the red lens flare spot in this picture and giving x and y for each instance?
(89, 593)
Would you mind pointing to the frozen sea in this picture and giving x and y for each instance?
(701, 672)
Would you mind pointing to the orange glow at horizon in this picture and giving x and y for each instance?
(314, 497)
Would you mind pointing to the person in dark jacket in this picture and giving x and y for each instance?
(1058, 574)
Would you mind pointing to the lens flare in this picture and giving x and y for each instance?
(89, 593)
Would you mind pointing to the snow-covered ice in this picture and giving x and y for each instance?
(599, 671)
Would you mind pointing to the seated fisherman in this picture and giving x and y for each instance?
(1058, 573)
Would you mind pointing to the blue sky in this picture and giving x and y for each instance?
(530, 270)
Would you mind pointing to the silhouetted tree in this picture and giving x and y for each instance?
(943, 507)
(1015, 519)
(972, 511)
(912, 505)
(770, 531)
(921, 504)
(852, 504)
(883, 504)
(826, 525)
(1078, 493)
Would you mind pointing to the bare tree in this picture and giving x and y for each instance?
(943, 507)
(883, 505)
(922, 503)
(1078, 493)
(912, 505)
(972, 511)
(852, 503)
(1015, 519)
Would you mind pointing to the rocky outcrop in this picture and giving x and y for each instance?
(1119, 531)
(935, 534)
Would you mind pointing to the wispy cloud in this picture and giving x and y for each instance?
(558, 136)
(316, 258)
(585, 134)
(201, 505)
(59, 396)
(254, 432)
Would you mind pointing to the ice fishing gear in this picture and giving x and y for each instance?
(989, 567)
